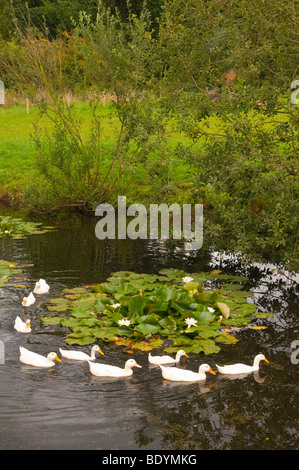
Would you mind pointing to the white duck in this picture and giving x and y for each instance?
(33, 359)
(27, 301)
(103, 370)
(22, 327)
(242, 368)
(182, 375)
(166, 359)
(41, 287)
(79, 355)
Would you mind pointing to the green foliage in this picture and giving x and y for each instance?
(7, 269)
(113, 311)
(74, 170)
(205, 92)
(18, 228)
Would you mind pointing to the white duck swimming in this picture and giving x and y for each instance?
(41, 287)
(33, 359)
(182, 375)
(22, 327)
(27, 301)
(79, 355)
(242, 368)
(103, 370)
(166, 359)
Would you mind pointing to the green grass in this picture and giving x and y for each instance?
(17, 148)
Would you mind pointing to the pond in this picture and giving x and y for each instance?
(66, 407)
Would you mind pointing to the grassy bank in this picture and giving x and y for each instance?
(18, 150)
(17, 147)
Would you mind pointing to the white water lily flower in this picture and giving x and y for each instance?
(124, 321)
(191, 322)
(211, 309)
(115, 305)
(27, 301)
(187, 279)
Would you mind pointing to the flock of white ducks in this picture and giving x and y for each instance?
(103, 370)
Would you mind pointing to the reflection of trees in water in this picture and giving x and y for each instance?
(239, 414)
(75, 250)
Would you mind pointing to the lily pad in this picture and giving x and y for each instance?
(82, 341)
(147, 329)
(60, 304)
(136, 305)
(224, 309)
(18, 228)
(157, 307)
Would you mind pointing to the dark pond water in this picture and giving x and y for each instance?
(67, 408)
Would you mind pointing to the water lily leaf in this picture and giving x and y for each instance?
(99, 305)
(224, 309)
(232, 287)
(97, 288)
(61, 304)
(72, 339)
(204, 316)
(172, 273)
(116, 316)
(243, 310)
(242, 321)
(125, 289)
(199, 277)
(75, 290)
(182, 307)
(263, 314)
(151, 319)
(166, 293)
(147, 329)
(206, 332)
(69, 322)
(157, 307)
(80, 313)
(109, 288)
(54, 320)
(168, 323)
(124, 342)
(227, 339)
(257, 327)
(147, 345)
(92, 321)
(182, 340)
(196, 346)
(216, 271)
(124, 330)
(136, 305)
(206, 297)
(105, 333)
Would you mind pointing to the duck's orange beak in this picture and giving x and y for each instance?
(267, 361)
(57, 359)
(212, 372)
(101, 352)
(186, 355)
